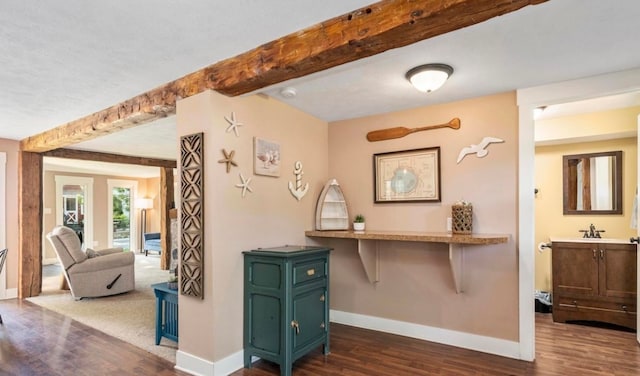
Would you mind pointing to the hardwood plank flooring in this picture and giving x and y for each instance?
(561, 350)
(36, 341)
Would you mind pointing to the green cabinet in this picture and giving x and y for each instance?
(286, 303)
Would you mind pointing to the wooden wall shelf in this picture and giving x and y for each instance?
(369, 251)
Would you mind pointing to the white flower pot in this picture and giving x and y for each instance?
(358, 226)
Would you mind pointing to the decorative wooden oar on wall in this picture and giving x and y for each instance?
(398, 132)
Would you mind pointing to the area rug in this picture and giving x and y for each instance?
(129, 316)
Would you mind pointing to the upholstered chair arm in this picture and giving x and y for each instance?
(110, 261)
(108, 251)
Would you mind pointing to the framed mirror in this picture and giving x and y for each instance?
(592, 183)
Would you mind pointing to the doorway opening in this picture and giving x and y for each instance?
(528, 100)
(595, 139)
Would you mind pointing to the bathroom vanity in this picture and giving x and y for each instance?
(594, 280)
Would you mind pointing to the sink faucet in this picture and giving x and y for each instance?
(592, 233)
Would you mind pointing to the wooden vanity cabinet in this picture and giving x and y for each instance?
(594, 282)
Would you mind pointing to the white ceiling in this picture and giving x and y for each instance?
(66, 59)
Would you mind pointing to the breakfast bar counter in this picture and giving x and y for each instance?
(369, 252)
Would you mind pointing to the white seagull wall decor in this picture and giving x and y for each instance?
(479, 149)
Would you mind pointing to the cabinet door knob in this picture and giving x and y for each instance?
(602, 254)
(322, 298)
(575, 303)
(322, 325)
(594, 254)
(296, 326)
(311, 272)
(624, 308)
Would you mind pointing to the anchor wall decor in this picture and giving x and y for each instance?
(298, 192)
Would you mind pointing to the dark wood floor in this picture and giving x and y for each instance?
(561, 349)
(36, 341)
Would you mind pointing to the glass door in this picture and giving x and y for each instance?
(121, 222)
(121, 213)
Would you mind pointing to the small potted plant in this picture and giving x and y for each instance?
(358, 223)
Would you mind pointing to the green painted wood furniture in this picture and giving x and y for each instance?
(286, 303)
(166, 312)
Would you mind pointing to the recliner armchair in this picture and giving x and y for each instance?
(92, 273)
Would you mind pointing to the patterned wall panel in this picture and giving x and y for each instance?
(192, 215)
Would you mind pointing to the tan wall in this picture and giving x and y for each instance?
(100, 202)
(550, 221)
(153, 215)
(268, 216)
(415, 279)
(11, 148)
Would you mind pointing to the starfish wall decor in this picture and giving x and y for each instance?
(233, 124)
(228, 159)
(244, 185)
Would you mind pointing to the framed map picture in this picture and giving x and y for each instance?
(407, 176)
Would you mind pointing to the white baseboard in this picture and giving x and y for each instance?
(197, 366)
(193, 365)
(10, 294)
(229, 364)
(496, 346)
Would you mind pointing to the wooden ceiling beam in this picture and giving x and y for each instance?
(139, 110)
(362, 33)
(365, 32)
(110, 158)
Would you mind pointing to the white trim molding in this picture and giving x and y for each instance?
(230, 364)
(133, 218)
(3, 221)
(197, 366)
(193, 365)
(496, 346)
(11, 293)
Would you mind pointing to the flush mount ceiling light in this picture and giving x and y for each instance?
(429, 77)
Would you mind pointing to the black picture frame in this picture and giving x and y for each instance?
(407, 176)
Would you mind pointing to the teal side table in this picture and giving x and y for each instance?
(166, 312)
(286, 303)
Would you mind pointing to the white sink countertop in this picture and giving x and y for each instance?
(591, 240)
